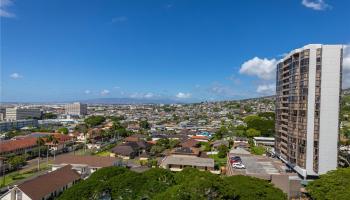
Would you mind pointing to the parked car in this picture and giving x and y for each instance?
(235, 159)
(238, 166)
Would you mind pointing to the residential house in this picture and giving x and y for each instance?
(190, 143)
(47, 186)
(130, 150)
(84, 165)
(218, 143)
(181, 158)
(135, 138)
(200, 138)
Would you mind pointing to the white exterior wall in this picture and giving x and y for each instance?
(329, 107)
(21, 113)
(76, 109)
(311, 112)
(15, 194)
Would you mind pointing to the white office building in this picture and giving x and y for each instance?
(17, 113)
(76, 109)
(307, 108)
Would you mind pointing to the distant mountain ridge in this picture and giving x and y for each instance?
(130, 101)
(143, 101)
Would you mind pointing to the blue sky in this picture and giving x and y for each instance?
(191, 50)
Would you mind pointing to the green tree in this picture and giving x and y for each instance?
(17, 161)
(40, 142)
(251, 132)
(258, 150)
(93, 121)
(145, 125)
(267, 115)
(54, 141)
(63, 130)
(248, 108)
(222, 151)
(174, 143)
(221, 132)
(190, 183)
(164, 142)
(157, 149)
(262, 124)
(332, 185)
(49, 116)
(246, 188)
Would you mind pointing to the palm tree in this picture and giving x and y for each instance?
(39, 142)
(55, 142)
(48, 139)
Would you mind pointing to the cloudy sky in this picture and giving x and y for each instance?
(189, 50)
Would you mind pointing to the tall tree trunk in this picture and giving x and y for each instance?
(39, 160)
(47, 156)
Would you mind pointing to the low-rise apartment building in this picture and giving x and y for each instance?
(18, 113)
(18, 124)
(17, 147)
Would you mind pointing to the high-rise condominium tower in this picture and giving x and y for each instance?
(307, 108)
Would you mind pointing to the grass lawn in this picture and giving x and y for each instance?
(21, 174)
(103, 153)
(15, 176)
(81, 152)
(219, 161)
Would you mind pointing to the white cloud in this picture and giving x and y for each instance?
(266, 89)
(4, 4)
(141, 95)
(105, 92)
(346, 67)
(148, 95)
(315, 4)
(116, 87)
(87, 91)
(221, 90)
(262, 68)
(16, 76)
(182, 95)
(119, 19)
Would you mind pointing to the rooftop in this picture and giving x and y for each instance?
(43, 185)
(92, 161)
(188, 161)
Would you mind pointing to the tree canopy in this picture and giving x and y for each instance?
(156, 183)
(144, 124)
(94, 120)
(63, 130)
(264, 122)
(223, 149)
(332, 185)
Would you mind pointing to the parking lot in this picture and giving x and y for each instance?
(258, 166)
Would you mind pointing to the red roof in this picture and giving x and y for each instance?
(189, 143)
(11, 145)
(62, 138)
(199, 137)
